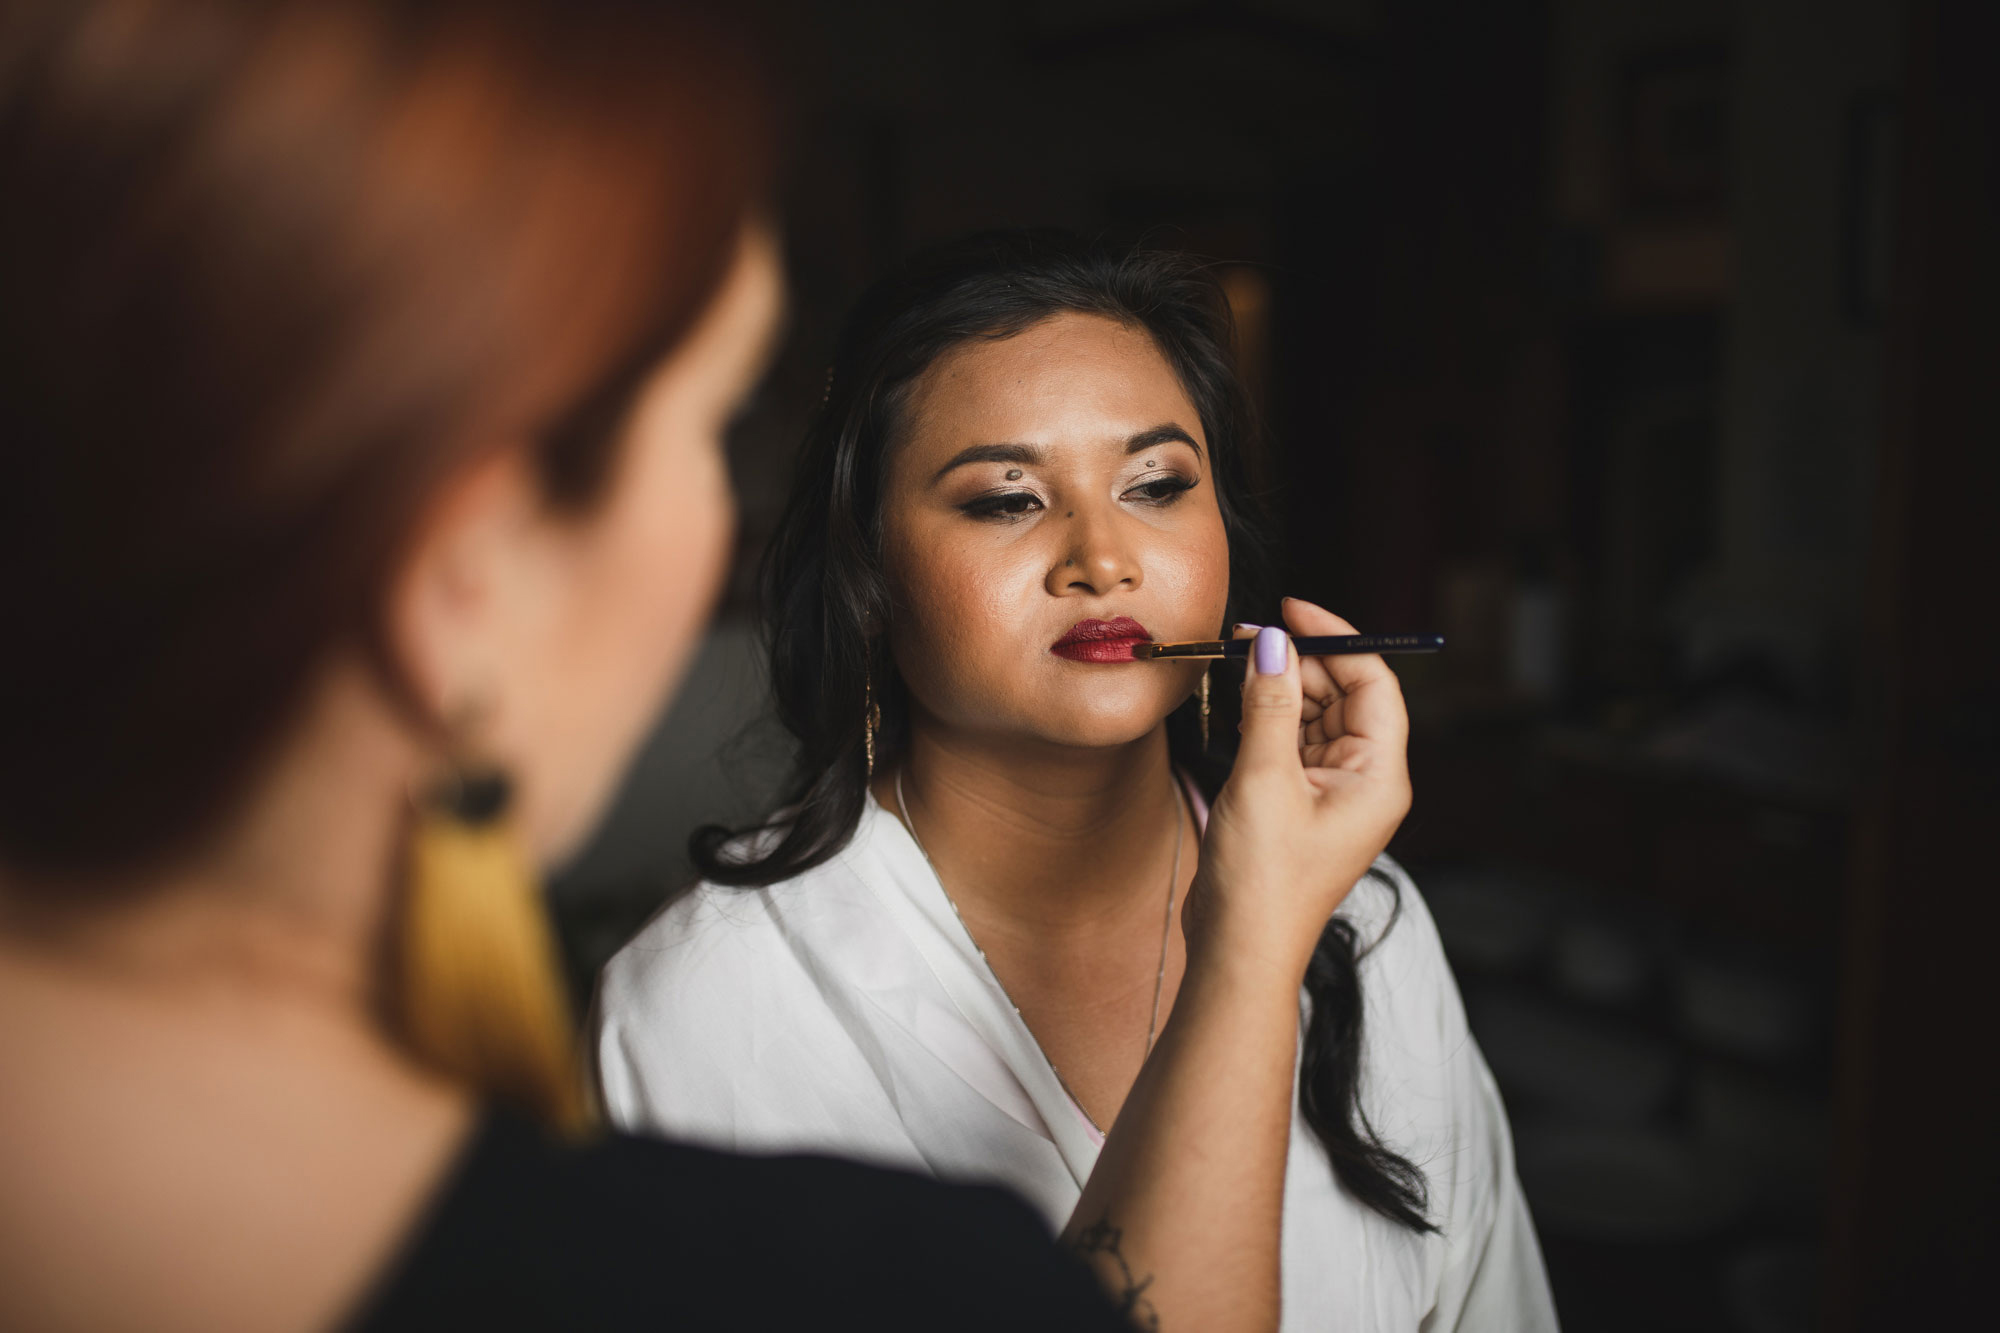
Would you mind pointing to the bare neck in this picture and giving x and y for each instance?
(1038, 837)
(286, 909)
(201, 1047)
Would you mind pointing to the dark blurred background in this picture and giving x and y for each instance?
(1645, 348)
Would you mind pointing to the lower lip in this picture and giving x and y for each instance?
(1099, 650)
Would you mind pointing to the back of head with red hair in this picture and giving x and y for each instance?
(271, 273)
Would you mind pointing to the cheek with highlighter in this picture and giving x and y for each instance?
(961, 637)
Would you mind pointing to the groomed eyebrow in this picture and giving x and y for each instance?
(1164, 433)
(1029, 455)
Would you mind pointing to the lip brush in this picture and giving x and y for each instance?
(1309, 645)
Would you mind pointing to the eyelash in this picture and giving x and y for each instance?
(996, 505)
(1159, 492)
(1167, 489)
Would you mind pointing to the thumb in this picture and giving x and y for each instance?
(1270, 703)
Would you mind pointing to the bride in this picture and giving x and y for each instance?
(953, 948)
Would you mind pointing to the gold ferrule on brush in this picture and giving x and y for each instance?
(1199, 648)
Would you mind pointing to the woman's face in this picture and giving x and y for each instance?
(618, 596)
(1050, 498)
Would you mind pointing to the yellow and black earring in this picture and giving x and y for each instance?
(478, 990)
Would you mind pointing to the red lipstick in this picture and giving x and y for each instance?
(1101, 640)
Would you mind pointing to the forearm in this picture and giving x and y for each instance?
(1184, 1212)
(1181, 1217)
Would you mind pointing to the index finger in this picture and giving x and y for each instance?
(1370, 694)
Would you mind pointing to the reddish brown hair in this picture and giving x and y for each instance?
(272, 273)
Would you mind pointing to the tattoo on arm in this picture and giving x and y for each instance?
(1101, 1238)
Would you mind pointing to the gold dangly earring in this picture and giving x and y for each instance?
(477, 990)
(871, 718)
(1204, 710)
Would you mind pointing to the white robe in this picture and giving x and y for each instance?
(846, 1011)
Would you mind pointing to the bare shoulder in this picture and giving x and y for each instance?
(200, 1161)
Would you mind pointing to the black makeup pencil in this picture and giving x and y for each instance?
(1309, 645)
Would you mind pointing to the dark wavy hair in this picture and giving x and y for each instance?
(826, 599)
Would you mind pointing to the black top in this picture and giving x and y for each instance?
(627, 1233)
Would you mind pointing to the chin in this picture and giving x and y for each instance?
(1103, 723)
(556, 821)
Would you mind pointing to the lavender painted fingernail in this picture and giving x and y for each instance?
(1270, 651)
(1243, 625)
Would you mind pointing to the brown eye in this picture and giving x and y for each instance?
(1001, 505)
(1162, 490)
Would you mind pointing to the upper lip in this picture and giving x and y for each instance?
(1118, 627)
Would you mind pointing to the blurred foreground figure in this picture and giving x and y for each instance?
(362, 373)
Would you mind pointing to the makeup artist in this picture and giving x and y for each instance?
(363, 368)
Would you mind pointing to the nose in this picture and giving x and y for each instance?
(1093, 558)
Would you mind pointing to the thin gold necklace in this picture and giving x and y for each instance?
(1166, 928)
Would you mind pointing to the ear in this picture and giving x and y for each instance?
(456, 599)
